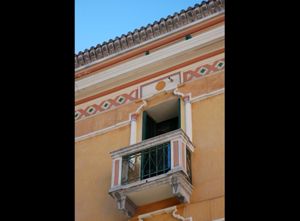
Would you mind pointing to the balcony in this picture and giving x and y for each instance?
(152, 170)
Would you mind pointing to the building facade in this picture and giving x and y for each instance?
(149, 121)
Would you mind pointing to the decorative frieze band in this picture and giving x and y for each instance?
(151, 87)
(106, 104)
(204, 70)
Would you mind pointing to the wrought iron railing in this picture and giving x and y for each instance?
(163, 161)
(147, 163)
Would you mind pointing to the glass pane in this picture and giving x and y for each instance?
(124, 170)
(131, 168)
(189, 164)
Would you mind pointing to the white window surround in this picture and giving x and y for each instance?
(188, 116)
(171, 210)
(187, 111)
(221, 219)
(133, 124)
(133, 129)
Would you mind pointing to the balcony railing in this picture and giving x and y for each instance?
(147, 163)
(152, 170)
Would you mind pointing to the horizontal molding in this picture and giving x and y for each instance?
(102, 131)
(200, 40)
(207, 95)
(127, 122)
(163, 138)
(170, 210)
(154, 43)
(153, 75)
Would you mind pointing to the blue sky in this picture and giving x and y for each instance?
(97, 21)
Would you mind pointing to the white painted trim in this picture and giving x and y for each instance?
(145, 144)
(149, 41)
(180, 153)
(113, 173)
(171, 210)
(187, 112)
(133, 130)
(188, 119)
(221, 219)
(207, 95)
(102, 131)
(120, 170)
(172, 152)
(179, 217)
(184, 157)
(176, 92)
(140, 107)
(127, 67)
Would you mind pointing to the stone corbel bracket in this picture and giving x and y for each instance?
(125, 204)
(181, 188)
(170, 210)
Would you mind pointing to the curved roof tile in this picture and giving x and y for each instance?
(157, 28)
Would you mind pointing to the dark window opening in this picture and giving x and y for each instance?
(161, 119)
(166, 126)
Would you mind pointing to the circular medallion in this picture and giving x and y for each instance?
(160, 85)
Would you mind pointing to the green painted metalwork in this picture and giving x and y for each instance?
(147, 163)
(179, 113)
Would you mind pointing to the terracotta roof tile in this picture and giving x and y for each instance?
(157, 28)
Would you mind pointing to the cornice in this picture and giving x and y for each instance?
(201, 39)
(149, 33)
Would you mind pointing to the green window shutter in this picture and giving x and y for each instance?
(179, 114)
(144, 126)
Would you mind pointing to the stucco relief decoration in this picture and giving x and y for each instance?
(160, 85)
(106, 104)
(165, 83)
(204, 70)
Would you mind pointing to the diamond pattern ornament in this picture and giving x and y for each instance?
(203, 71)
(105, 105)
(220, 65)
(91, 110)
(77, 115)
(121, 100)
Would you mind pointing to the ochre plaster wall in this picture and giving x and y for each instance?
(207, 201)
(93, 163)
(93, 167)
(208, 157)
(207, 210)
(105, 119)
